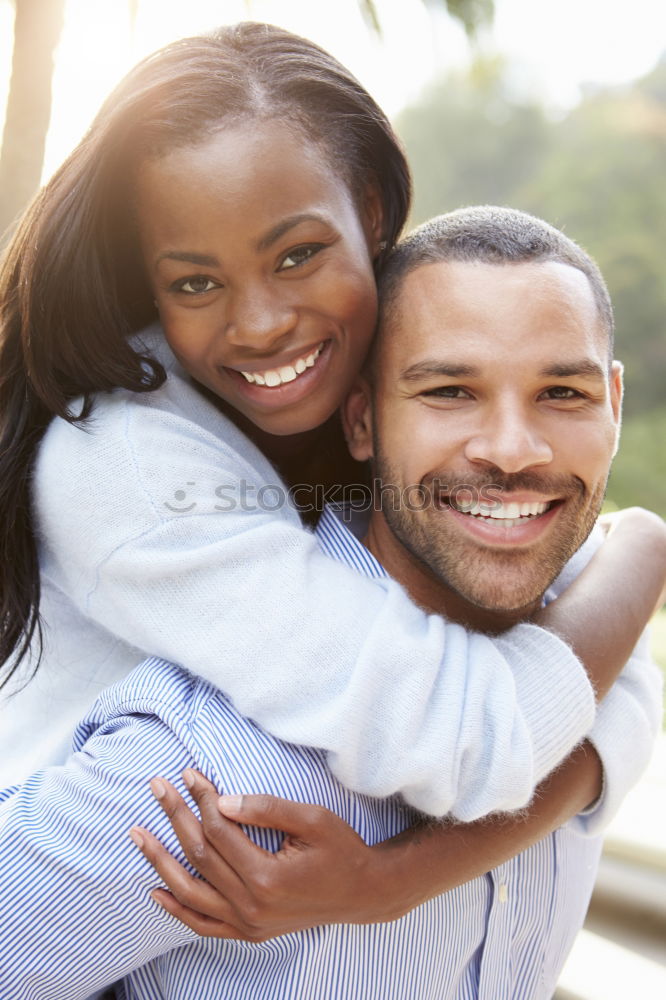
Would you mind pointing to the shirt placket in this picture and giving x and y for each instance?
(495, 970)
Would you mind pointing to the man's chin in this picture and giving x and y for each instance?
(519, 609)
(514, 601)
(511, 582)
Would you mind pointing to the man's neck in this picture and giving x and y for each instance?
(431, 593)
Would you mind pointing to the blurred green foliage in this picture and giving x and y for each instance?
(600, 175)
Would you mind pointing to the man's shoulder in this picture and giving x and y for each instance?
(161, 704)
(194, 711)
(155, 688)
(237, 755)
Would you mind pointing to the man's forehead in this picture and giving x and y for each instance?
(453, 304)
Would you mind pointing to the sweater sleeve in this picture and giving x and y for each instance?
(140, 531)
(624, 733)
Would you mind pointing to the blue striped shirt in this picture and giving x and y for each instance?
(75, 913)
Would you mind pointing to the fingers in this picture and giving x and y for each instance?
(201, 924)
(252, 894)
(201, 906)
(202, 790)
(224, 834)
(206, 843)
(298, 819)
(188, 891)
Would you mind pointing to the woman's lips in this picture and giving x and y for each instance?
(288, 390)
(273, 377)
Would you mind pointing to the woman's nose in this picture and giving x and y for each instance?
(258, 318)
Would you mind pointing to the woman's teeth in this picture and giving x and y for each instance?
(278, 376)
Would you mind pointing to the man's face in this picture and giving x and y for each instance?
(493, 395)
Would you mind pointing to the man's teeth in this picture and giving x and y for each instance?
(507, 511)
(278, 376)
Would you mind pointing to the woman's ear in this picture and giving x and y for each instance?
(356, 415)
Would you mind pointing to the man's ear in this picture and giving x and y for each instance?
(616, 394)
(356, 415)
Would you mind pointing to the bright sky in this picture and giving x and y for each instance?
(554, 46)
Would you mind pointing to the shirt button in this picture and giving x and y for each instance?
(502, 893)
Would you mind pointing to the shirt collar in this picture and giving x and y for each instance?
(339, 534)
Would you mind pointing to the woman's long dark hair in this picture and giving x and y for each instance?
(72, 287)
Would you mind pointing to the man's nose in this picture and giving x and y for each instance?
(257, 318)
(509, 439)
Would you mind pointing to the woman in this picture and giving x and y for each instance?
(153, 530)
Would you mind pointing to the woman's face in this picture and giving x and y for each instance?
(260, 261)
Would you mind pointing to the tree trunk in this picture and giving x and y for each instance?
(37, 28)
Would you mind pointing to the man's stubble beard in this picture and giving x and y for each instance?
(492, 579)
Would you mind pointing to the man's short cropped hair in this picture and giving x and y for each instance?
(490, 235)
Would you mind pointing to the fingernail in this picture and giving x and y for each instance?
(137, 838)
(230, 805)
(156, 899)
(158, 788)
(188, 778)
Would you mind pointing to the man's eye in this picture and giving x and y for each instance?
(447, 392)
(196, 285)
(299, 255)
(562, 392)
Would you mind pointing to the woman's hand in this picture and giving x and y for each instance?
(323, 873)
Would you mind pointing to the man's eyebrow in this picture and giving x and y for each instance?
(431, 369)
(284, 226)
(189, 257)
(572, 369)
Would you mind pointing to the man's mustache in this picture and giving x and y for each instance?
(490, 484)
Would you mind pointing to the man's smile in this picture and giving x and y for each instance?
(510, 524)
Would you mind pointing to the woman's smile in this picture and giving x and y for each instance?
(277, 387)
(281, 374)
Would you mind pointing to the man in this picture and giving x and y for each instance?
(493, 371)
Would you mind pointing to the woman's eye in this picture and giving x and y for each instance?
(196, 285)
(299, 255)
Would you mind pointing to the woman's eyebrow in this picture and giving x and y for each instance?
(284, 226)
(274, 234)
(189, 257)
